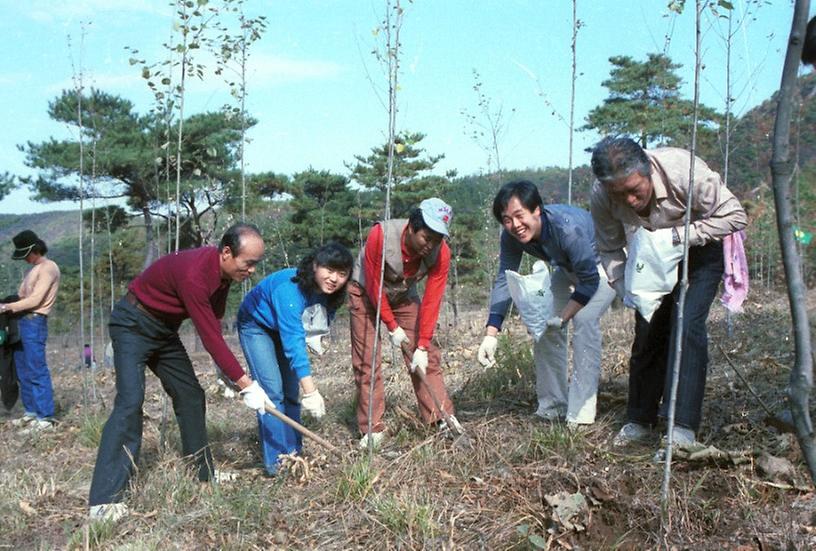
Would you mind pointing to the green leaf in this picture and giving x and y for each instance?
(165, 81)
(725, 4)
(537, 541)
(133, 61)
(145, 73)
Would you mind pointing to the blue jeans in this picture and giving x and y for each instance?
(270, 368)
(653, 348)
(36, 391)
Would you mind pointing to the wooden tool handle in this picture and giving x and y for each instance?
(301, 429)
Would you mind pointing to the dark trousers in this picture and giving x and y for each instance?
(653, 349)
(138, 341)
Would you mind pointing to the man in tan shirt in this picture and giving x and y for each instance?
(37, 292)
(650, 189)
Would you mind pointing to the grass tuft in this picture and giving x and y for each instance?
(356, 481)
(405, 518)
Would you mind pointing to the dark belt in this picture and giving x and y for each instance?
(134, 300)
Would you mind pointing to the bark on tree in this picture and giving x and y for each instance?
(782, 167)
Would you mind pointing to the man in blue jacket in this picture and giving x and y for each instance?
(564, 237)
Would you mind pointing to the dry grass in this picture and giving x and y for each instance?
(423, 490)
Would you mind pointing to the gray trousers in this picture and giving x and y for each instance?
(577, 398)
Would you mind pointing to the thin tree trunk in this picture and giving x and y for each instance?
(801, 377)
(393, 53)
(572, 96)
(79, 89)
(149, 240)
(729, 318)
(456, 289)
(110, 253)
(184, 60)
(684, 284)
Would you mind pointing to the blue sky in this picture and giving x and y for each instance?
(312, 77)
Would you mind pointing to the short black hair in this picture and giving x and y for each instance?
(809, 48)
(615, 158)
(523, 190)
(39, 247)
(233, 237)
(331, 255)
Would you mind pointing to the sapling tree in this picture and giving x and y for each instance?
(232, 54)
(674, 372)
(77, 77)
(389, 57)
(576, 25)
(782, 169)
(193, 20)
(486, 126)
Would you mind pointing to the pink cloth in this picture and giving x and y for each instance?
(735, 275)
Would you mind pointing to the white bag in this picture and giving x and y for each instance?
(315, 320)
(533, 297)
(651, 269)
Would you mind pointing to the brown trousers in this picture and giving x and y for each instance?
(363, 315)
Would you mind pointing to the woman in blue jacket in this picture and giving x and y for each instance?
(273, 338)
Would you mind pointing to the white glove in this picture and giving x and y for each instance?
(313, 403)
(419, 361)
(487, 351)
(255, 398)
(398, 336)
(228, 392)
(555, 323)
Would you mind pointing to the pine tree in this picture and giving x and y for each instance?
(644, 103)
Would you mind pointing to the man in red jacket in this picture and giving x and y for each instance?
(144, 330)
(413, 249)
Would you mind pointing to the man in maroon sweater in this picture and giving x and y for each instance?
(144, 331)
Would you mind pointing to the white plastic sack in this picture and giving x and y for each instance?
(315, 320)
(651, 269)
(533, 297)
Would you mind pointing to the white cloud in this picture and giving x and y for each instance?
(270, 69)
(61, 11)
(14, 78)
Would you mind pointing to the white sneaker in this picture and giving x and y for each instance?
(38, 425)
(108, 511)
(24, 420)
(220, 477)
(681, 436)
(376, 437)
(630, 432)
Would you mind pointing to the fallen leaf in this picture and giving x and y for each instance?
(566, 507)
(27, 508)
(600, 491)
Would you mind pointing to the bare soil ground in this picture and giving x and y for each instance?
(511, 489)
